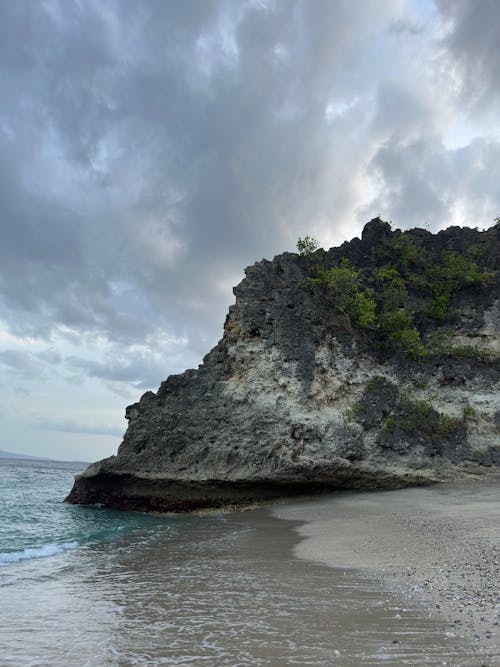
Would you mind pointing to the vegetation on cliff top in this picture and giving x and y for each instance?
(406, 286)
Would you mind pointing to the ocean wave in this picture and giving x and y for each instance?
(37, 552)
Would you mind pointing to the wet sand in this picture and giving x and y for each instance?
(437, 545)
(220, 591)
(227, 591)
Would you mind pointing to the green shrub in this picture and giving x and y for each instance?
(472, 352)
(363, 309)
(439, 308)
(307, 245)
(403, 286)
(446, 278)
(441, 344)
(412, 343)
(469, 411)
(397, 324)
(343, 283)
(420, 418)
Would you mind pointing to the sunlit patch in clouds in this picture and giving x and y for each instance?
(150, 151)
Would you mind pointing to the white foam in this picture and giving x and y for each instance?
(37, 552)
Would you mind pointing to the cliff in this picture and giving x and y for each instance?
(375, 364)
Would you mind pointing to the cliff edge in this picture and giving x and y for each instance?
(371, 365)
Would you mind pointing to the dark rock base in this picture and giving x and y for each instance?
(130, 492)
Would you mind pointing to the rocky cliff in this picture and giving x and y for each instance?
(375, 364)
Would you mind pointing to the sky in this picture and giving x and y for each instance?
(150, 150)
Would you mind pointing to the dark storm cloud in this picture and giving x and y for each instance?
(150, 150)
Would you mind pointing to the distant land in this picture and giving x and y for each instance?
(16, 455)
(27, 457)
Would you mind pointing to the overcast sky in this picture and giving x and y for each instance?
(151, 149)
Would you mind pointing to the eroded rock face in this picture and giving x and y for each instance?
(291, 400)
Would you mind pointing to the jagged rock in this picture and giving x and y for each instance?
(292, 400)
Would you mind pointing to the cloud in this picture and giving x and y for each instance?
(21, 363)
(472, 41)
(68, 426)
(164, 147)
(141, 372)
(149, 151)
(30, 362)
(156, 150)
(142, 366)
(428, 185)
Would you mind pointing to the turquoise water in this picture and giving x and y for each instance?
(35, 523)
(89, 587)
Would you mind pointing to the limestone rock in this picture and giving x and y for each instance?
(292, 400)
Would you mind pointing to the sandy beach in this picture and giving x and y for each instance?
(227, 589)
(438, 545)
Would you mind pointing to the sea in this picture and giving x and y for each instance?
(91, 587)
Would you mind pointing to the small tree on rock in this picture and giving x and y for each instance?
(307, 245)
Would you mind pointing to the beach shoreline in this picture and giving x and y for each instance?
(438, 545)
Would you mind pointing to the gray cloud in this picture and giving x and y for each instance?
(425, 182)
(21, 362)
(150, 150)
(69, 426)
(472, 44)
(143, 371)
